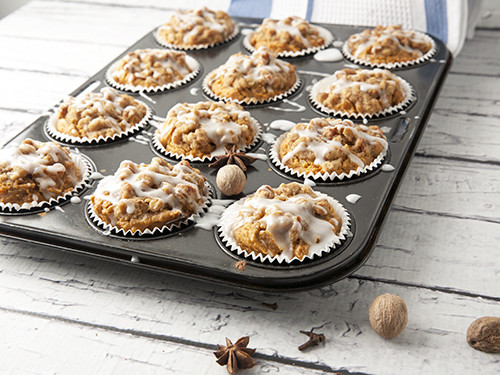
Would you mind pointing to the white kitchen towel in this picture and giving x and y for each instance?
(444, 19)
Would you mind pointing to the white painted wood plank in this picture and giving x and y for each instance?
(37, 345)
(70, 287)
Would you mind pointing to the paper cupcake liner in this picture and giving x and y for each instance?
(321, 177)
(158, 147)
(193, 64)
(408, 92)
(395, 65)
(171, 227)
(249, 101)
(324, 33)
(229, 217)
(86, 168)
(51, 131)
(196, 47)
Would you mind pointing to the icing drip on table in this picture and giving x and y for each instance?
(387, 168)
(283, 125)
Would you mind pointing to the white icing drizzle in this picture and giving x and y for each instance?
(260, 67)
(96, 176)
(385, 129)
(312, 73)
(196, 22)
(309, 182)
(296, 107)
(194, 91)
(283, 217)
(145, 63)
(353, 198)
(283, 125)
(417, 117)
(135, 259)
(387, 168)
(214, 119)
(370, 38)
(156, 180)
(212, 216)
(402, 113)
(246, 31)
(75, 200)
(268, 137)
(257, 156)
(329, 55)
(341, 80)
(365, 121)
(44, 161)
(312, 139)
(338, 43)
(58, 208)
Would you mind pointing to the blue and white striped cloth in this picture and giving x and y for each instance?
(445, 19)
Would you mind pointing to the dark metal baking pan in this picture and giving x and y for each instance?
(199, 253)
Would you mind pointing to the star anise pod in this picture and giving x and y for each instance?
(232, 157)
(236, 356)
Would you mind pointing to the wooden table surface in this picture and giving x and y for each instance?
(61, 313)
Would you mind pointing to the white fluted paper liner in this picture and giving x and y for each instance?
(51, 130)
(324, 33)
(193, 64)
(230, 215)
(172, 226)
(249, 101)
(394, 65)
(196, 47)
(407, 89)
(85, 168)
(206, 159)
(322, 177)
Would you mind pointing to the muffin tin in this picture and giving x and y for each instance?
(200, 253)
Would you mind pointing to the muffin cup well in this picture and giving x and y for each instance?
(196, 47)
(85, 166)
(408, 92)
(193, 64)
(170, 227)
(52, 132)
(250, 101)
(157, 146)
(325, 34)
(395, 65)
(321, 177)
(230, 215)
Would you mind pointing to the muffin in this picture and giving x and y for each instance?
(36, 172)
(97, 115)
(151, 70)
(285, 223)
(291, 36)
(192, 29)
(360, 92)
(148, 196)
(251, 79)
(330, 146)
(206, 129)
(388, 45)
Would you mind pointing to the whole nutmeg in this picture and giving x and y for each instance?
(484, 334)
(231, 180)
(388, 315)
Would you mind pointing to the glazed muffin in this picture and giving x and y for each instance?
(97, 115)
(148, 196)
(251, 79)
(331, 146)
(291, 221)
(206, 129)
(151, 68)
(391, 44)
(292, 34)
(36, 172)
(359, 91)
(196, 28)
